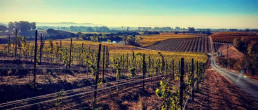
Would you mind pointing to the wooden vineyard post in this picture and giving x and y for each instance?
(107, 57)
(70, 56)
(181, 82)
(127, 61)
(173, 69)
(143, 70)
(81, 57)
(123, 61)
(103, 65)
(35, 59)
(40, 48)
(163, 65)
(149, 65)
(193, 79)
(197, 73)
(16, 43)
(60, 45)
(96, 77)
(133, 58)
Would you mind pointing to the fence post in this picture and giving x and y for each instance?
(143, 70)
(193, 79)
(127, 62)
(173, 69)
(81, 57)
(61, 49)
(198, 74)
(40, 48)
(96, 78)
(181, 82)
(103, 65)
(16, 43)
(35, 59)
(70, 57)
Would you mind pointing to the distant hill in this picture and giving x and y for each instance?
(65, 24)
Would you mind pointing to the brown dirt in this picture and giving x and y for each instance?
(235, 54)
(218, 93)
(232, 52)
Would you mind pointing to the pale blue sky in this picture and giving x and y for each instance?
(184, 13)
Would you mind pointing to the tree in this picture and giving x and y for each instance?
(11, 27)
(236, 42)
(33, 25)
(251, 47)
(191, 29)
(3, 28)
(24, 27)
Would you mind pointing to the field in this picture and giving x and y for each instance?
(228, 37)
(65, 71)
(148, 40)
(198, 44)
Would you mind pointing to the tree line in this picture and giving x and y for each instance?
(24, 28)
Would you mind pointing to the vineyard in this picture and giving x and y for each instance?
(53, 74)
(148, 40)
(228, 37)
(199, 44)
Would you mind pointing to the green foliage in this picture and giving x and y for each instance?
(51, 46)
(59, 98)
(117, 66)
(162, 62)
(65, 56)
(169, 95)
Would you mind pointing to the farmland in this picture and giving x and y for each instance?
(62, 69)
(228, 37)
(128, 55)
(148, 40)
(198, 44)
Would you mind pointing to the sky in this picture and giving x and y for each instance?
(182, 13)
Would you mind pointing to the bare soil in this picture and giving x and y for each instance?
(218, 93)
(237, 55)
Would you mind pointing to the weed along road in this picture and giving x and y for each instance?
(244, 83)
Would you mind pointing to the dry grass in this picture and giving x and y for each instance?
(148, 40)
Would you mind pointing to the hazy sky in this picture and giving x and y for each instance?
(184, 13)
